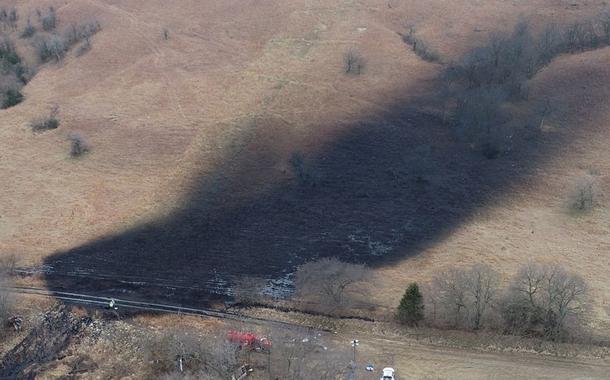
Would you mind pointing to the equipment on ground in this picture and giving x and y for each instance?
(249, 340)
(112, 305)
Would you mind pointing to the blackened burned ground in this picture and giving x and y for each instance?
(387, 188)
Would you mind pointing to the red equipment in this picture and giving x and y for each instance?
(249, 340)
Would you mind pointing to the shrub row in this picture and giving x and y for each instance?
(542, 300)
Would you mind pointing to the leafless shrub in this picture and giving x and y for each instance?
(574, 36)
(13, 16)
(81, 32)
(47, 123)
(78, 145)
(184, 352)
(464, 298)
(420, 47)
(8, 18)
(325, 283)
(43, 125)
(550, 43)
(3, 16)
(8, 264)
(8, 52)
(50, 47)
(54, 46)
(10, 97)
(249, 290)
(584, 196)
(83, 48)
(353, 62)
(303, 356)
(505, 62)
(166, 34)
(13, 74)
(545, 300)
(48, 19)
(6, 302)
(28, 31)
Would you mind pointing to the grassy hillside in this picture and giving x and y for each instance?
(226, 138)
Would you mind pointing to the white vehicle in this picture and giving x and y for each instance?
(388, 374)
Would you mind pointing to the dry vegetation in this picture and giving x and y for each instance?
(7, 268)
(324, 284)
(420, 47)
(49, 44)
(209, 117)
(46, 123)
(492, 75)
(542, 300)
(353, 62)
(14, 74)
(78, 145)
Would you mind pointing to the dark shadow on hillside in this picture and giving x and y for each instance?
(385, 189)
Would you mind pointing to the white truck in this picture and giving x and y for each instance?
(388, 374)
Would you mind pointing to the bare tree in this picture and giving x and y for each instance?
(353, 63)
(50, 47)
(489, 77)
(183, 351)
(584, 196)
(563, 297)
(326, 282)
(301, 355)
(544, 299)
(550, 42)
(450, 295)
(466, 297)
(482, 287)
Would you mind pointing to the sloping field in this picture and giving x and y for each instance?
(238, 146)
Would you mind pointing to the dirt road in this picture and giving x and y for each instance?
(415, 361)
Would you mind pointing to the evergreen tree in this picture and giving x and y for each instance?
(411, 307)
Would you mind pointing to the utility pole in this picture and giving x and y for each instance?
(355, 344)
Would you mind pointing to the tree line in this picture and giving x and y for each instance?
(542, 300)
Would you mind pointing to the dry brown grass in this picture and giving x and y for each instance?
(159, 113)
